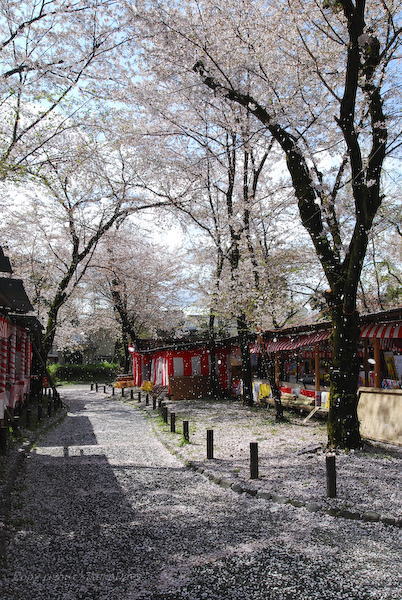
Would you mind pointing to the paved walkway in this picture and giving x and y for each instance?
(102, 511)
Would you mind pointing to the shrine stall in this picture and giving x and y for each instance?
(15, 341)
(15, 364)
(183, 368)
(303, 357)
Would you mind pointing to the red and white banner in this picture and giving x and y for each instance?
(382, 331)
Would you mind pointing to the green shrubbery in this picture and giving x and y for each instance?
(102, 372)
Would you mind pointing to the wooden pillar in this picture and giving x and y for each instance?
(317, 368)
(277, 369)
(377, 366)
(365, 363)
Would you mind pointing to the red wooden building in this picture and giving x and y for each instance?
(15, 341)
(184, 363)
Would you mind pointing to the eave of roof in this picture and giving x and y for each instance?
(13, 296)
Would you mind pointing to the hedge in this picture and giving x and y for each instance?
(103, 372)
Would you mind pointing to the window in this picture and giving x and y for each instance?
(178, 366)
(196, 365)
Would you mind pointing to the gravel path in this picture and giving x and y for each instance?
(289, 463)
(102, 511)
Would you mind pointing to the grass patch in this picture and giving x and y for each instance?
(183, 442)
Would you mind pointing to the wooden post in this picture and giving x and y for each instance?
(122, 392)
(3, 440)
(277, 369)
(317, 376)
(377, 366)
(131, 394)
(365, 363)
(317, 368)
(186, 434)
(113, 390)
(147, 400)
(173, 422)
(154, 402)
(253, 460)
(139, 396)
(210, 443)
(165, 413)
(27, 417)
(331, 475)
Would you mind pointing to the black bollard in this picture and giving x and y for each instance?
(92, 387)
(165, 413)
(104, 389)
(210, 443)
(139, 396)
(186, 433)
(113, 390)
(147, 400)
(96, 387)
(253, 460)
(173, 422)
(160, 402)
(131, 394)
(331, 475)
(154, 402)
(3, 440)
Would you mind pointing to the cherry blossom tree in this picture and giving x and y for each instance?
(139, 283)
(56, 61)
(320, 78)
(237, 209)
(80, 199)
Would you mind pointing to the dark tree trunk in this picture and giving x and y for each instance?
(343, 424)
(128, 333)
(276, 392)
(215, 390)
(126, 353)
(245, 360)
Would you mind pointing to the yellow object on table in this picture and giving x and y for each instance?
(147, 386)
(265, 391)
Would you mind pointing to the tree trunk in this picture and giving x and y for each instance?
(276, 392)
(51, 324)
(126, 353)
(343, 424)
(128, 333)
(214, 390)
(245, 360)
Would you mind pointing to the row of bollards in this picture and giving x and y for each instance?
(27, 414)
(254, 474)
(254, 468)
